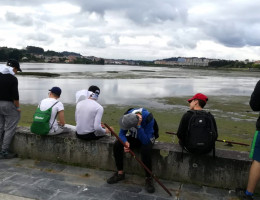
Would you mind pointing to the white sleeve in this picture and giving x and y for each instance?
(60, 106)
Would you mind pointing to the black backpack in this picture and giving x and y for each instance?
(201, 134)
(148, 119)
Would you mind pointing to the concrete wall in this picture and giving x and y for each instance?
(228, 170)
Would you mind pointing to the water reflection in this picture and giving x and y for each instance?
(135, 91)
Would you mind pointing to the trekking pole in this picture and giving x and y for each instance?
(138, 160)
(225, 141)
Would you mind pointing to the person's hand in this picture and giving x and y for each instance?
(107, 130)
(127, 147)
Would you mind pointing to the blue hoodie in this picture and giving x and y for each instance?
(145, 134)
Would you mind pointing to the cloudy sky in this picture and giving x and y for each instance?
(135, 29)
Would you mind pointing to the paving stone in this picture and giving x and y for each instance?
(69, 196)
(58, 185)
(197, 196)
(7, 186)
(22, 179)
(192, 188)
(122, 195)
(30, 191)
(96, 192)
(50, 181)
(216, 191)
(43, 164)
(5, 175)
(46, 174)
(124, 187)
(12, 197)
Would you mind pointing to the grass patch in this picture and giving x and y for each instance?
(235, 120)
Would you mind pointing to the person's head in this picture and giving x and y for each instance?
(55, 92)
(14, 64)
(129, 121)
(198, 101)
(95, 92)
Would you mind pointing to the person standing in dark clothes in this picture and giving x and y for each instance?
(9, 105)
(136, 131)
(254, 173)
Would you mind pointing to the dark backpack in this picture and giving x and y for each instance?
(148, 119)
(201, 134)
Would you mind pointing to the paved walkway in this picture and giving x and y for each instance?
(29, 179)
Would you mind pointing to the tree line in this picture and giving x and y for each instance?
(232, 64)
(37, 54)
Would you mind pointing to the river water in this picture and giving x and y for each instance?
(132, 85)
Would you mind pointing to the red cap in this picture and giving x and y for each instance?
(199, 96)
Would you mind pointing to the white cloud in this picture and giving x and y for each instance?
(132, 29)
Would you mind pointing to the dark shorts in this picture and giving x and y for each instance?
(255, 147)
(89, 136)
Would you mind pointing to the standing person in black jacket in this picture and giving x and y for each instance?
(254, 173)
(9, 105)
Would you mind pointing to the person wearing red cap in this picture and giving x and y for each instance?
(196, 105)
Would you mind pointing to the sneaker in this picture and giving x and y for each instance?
(7, 155)
(149, 187)
(115, 178)
(242, 195)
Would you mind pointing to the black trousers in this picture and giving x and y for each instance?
(146, 153)
(89, 136)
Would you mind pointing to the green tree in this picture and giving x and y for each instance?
(34, 50)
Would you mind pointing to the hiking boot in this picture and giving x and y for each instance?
(115, 178)
(242, 195)
(149, 187)
(7, 155)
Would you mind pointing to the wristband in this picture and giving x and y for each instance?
(138, 126)
(17, 108)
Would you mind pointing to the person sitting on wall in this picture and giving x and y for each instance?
(136, 131)
(57, 110)
(197, 130)
(88, 116)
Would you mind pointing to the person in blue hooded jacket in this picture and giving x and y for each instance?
(136, 130)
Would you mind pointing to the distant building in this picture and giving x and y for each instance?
(257, 62)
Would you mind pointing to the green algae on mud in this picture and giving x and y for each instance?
(234, 117)
(46, 74)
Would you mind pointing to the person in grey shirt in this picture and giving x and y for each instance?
(9, 106)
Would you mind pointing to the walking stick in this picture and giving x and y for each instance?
(138, 160)
(225, 141)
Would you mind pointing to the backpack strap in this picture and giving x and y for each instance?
(213, 128)
(55, 115)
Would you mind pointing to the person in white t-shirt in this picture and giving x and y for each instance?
(57, 127)
(88, 116)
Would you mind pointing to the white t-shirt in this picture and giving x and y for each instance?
(46, 104)
(88, 117)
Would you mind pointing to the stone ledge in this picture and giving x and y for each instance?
(228, 170)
